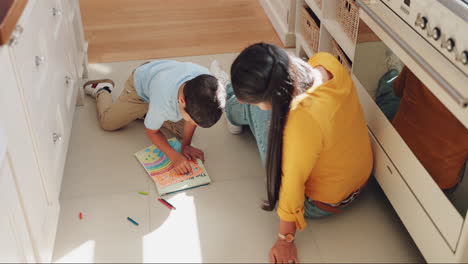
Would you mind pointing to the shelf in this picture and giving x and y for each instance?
(300, 40)
(315, 8)
(337, 32)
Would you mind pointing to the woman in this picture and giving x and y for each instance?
(318, 155)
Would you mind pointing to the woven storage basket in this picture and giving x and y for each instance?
(340, 55)
(348, 17)
(310, 29)
(319, 3)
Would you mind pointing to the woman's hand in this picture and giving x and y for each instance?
(283, 252)
(181, 164)
(192, 153)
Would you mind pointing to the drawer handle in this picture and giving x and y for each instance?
(56, 12)
(15, 36)
(389, 169)
(68, 80)
(56, 137)
(39, 60)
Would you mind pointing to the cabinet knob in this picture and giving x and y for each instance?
(68, 80)
(14, 40)
(39, 60)
(56, 12)
(56, 137)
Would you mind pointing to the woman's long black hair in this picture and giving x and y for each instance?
(261, 74)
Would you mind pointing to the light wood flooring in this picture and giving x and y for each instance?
(122, 30)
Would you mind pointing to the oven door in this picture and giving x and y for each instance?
(401, 47)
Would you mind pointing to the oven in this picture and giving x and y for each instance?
(419, 134)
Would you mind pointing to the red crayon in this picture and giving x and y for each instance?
(81, 216)
(166, 204)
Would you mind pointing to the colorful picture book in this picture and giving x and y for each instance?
(161, 170)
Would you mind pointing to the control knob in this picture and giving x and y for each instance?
(449, 44)
(421, 22)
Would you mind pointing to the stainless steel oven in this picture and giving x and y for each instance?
(430, 38)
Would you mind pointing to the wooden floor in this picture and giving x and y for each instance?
(122, 30)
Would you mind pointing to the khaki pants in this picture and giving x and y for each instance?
(128, 107)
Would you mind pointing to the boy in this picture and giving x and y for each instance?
(175, 95)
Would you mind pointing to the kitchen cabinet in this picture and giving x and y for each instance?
(41, 71)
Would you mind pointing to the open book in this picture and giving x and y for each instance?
(160, 169)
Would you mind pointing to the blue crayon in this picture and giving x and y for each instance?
(133, 221)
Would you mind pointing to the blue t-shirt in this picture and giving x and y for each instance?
(158, 83)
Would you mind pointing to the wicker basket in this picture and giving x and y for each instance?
(348, 16)
(340, 55)
(310, 29)
(319, 3)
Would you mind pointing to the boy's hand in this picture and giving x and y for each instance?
(181, 164)
(192, 153)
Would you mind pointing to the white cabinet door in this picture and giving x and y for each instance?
(50, 103)
(40, 207)
(32, 59)
(39, 77)
(15, 242)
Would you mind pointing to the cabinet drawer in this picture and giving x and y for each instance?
(55, 16)
(64, 75)
(64, 84)
(32, 59)
(423, 231)
(50, 140)
(56, 134)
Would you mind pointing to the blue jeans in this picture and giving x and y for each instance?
(249, 115)
(312, 211)
(259, 123)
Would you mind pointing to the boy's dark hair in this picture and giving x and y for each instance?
(205, 98)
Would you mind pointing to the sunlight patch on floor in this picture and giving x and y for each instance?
(178, 235)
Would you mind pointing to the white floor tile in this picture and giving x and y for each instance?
(104, 234)
(101, 162)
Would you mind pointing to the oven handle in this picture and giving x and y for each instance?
(454, 93)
